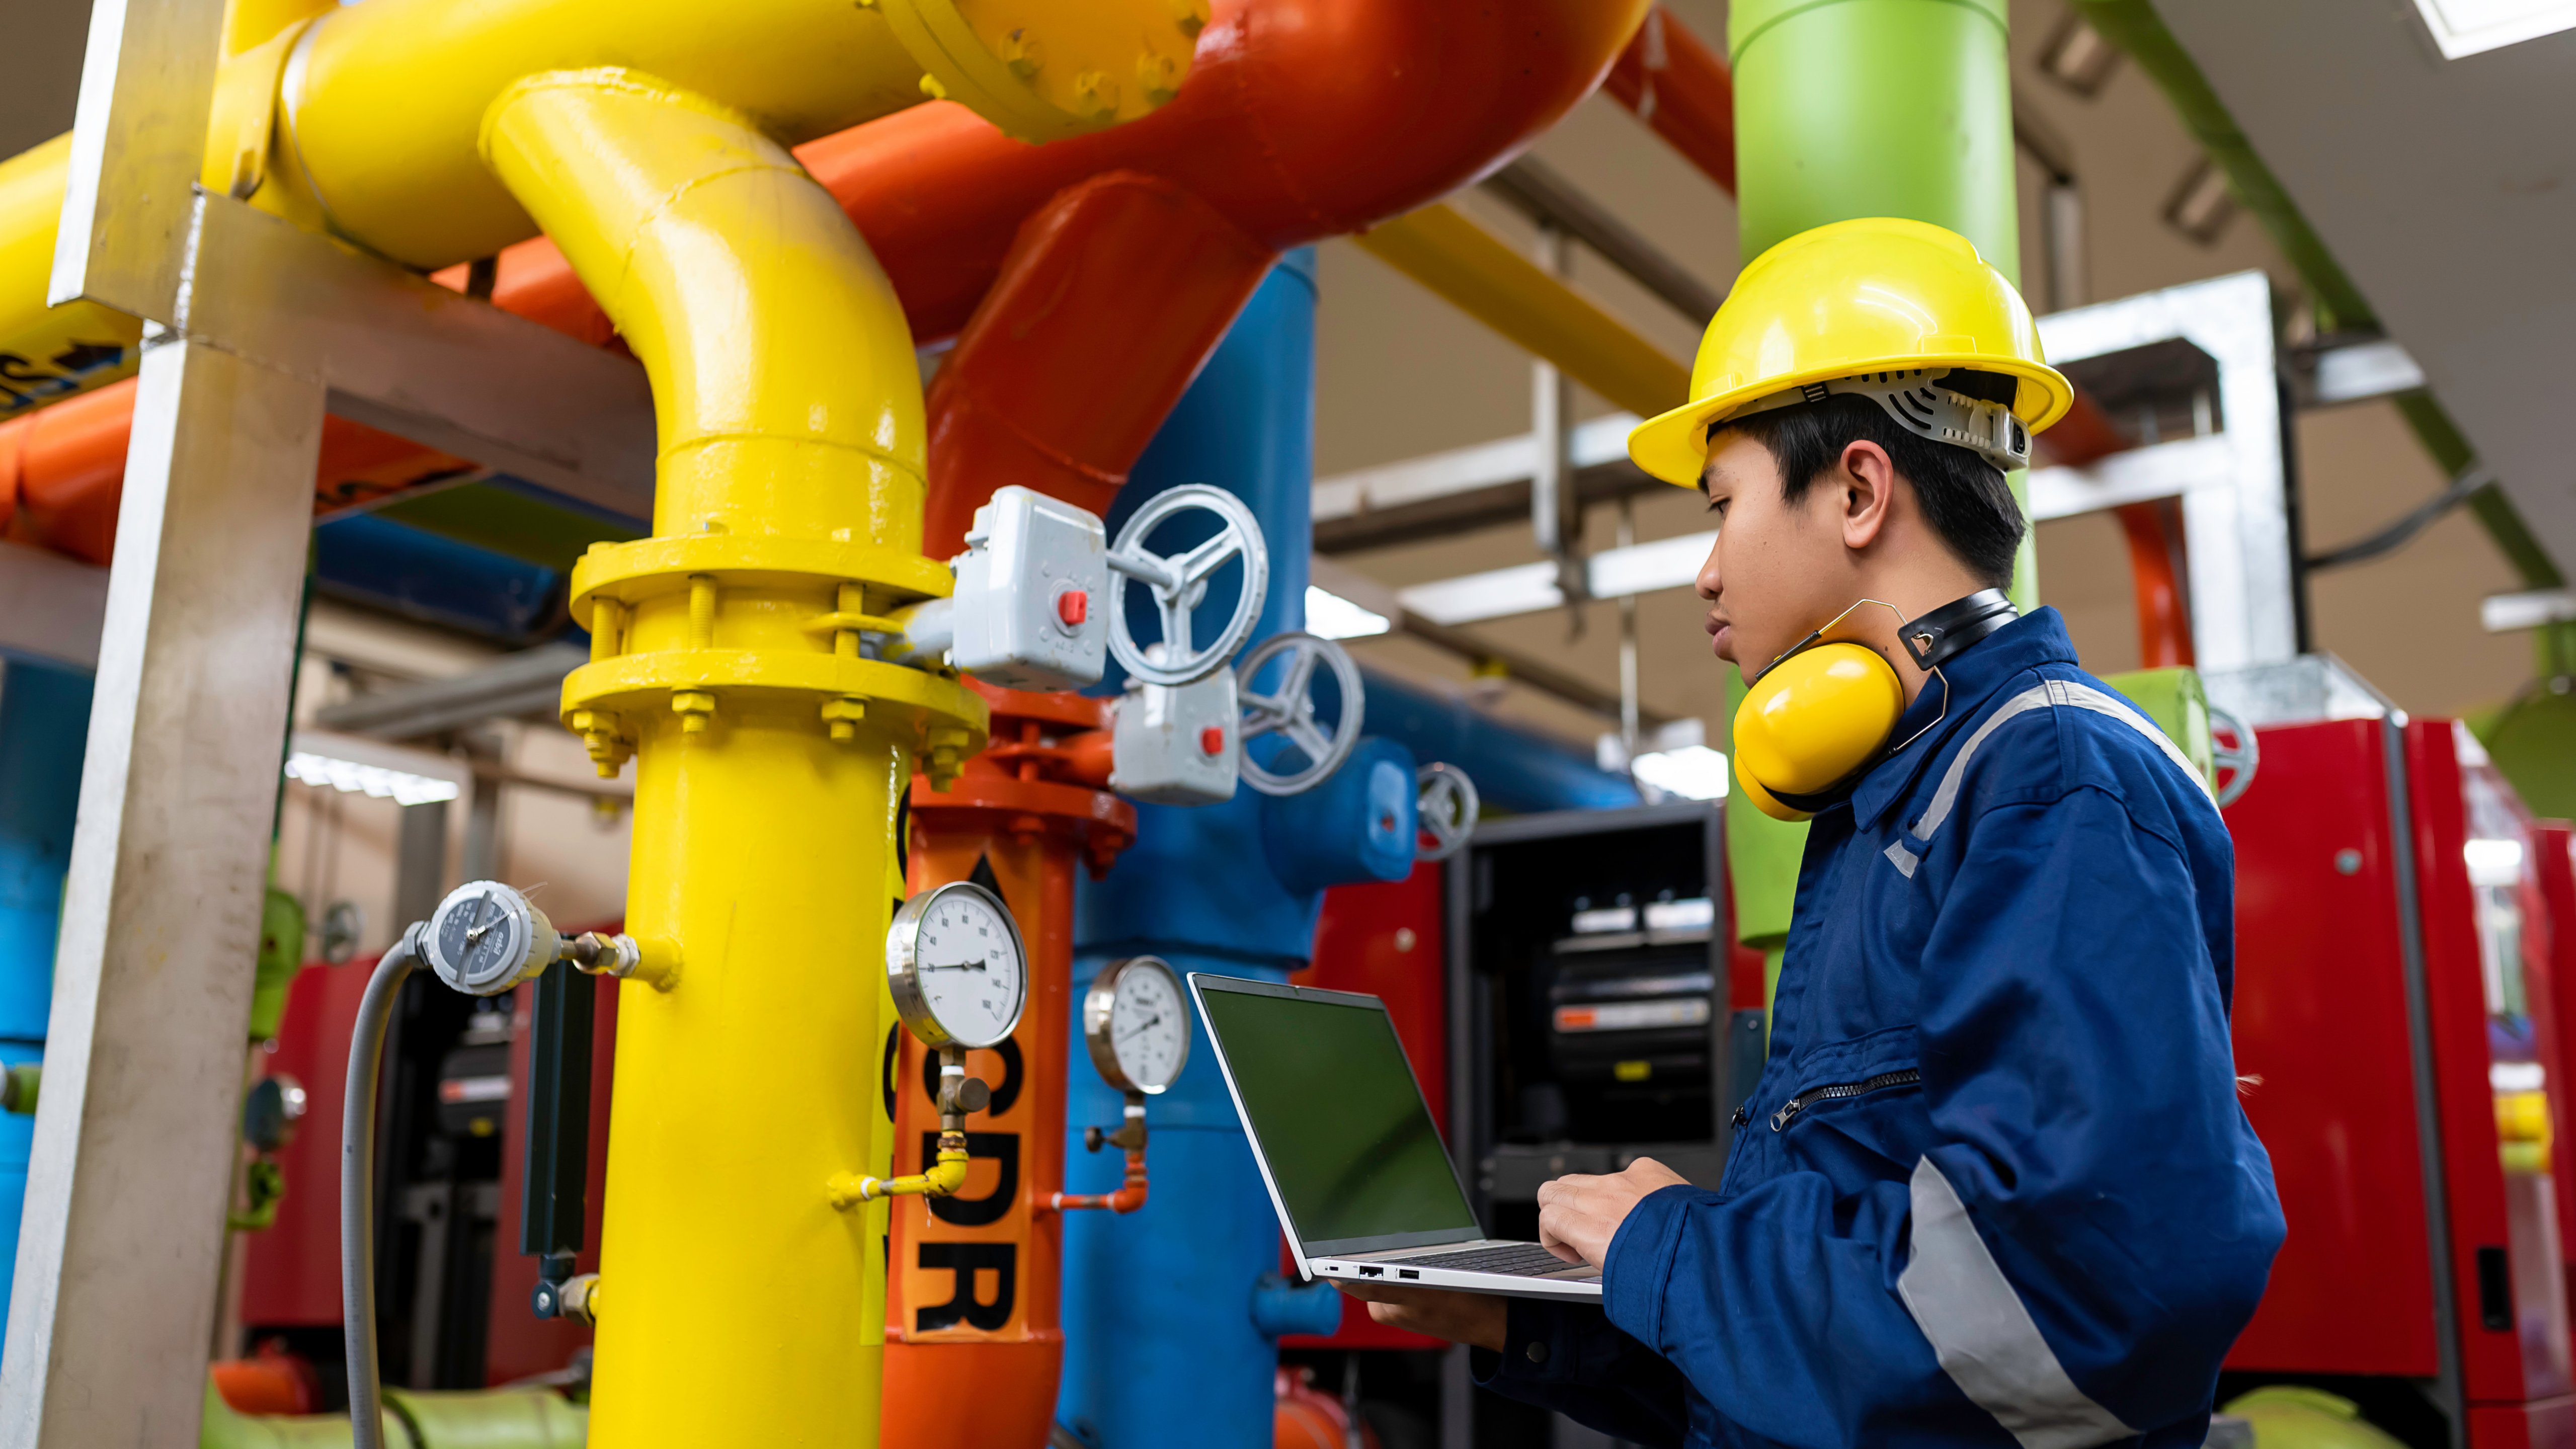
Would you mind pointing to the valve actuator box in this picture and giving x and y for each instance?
(1177, 744)
(1031, 588)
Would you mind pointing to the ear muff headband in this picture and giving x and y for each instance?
(1822, 713)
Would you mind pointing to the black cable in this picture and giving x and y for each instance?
(2402, 532)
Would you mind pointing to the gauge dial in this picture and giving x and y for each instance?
(486, 938)
(959, 972)
(1137, 1024)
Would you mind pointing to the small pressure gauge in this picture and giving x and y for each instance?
(959, 972)
(486, 938)
(1137, 1024)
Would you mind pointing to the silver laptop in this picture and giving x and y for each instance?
(1363, 1187)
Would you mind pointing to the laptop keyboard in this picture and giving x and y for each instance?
(1522, 1260)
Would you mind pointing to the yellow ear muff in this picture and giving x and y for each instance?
(1811, 720)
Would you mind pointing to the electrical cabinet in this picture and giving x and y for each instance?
(1600, 1009)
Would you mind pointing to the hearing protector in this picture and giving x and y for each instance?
(1819, 716)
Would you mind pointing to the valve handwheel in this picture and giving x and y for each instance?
(1180, 584)
(1446, 805)
(2231, 765)
(1289, 711)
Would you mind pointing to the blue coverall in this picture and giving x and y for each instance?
(1994, 1185)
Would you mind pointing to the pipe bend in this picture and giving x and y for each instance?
(784, 386)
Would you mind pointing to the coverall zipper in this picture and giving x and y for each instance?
(1840, 1090)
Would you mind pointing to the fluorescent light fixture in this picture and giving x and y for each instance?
(2468, 27)
(2202, 203)
(376, 781)
(1331, 616)
(2493, 862)
(1694, 772)
(2078, 58)
(2503, 613)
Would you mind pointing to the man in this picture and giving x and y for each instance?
(1994, 1186)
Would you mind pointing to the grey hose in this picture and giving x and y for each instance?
(358, 1189)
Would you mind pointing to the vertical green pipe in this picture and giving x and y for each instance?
(1851, 108)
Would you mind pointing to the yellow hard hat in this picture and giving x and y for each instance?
(1879, 306)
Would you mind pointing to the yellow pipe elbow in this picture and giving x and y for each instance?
(849, 1189)
(784, 384)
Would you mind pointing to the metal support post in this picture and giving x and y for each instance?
(116, 1270)
(1556, 515)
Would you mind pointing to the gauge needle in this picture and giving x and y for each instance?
(1148, 1024)
(955, 966)
(475, 933)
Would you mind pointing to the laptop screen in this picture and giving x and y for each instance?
(1332, 1105)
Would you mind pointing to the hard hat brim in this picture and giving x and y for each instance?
(1673, 445)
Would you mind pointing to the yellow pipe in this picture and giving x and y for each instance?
(849, 1189)
(1475, 272)
(791, 470)
(47, 354)
(364, 121)
(381, 103)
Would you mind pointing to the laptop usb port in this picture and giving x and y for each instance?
(1406, 1273)
(1372, 1272)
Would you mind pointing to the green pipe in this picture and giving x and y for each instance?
(1852, 108)
(530, 1418)
(2134, 26)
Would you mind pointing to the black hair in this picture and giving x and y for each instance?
(1963, 495)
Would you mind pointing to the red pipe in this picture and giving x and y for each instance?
(1680, 87)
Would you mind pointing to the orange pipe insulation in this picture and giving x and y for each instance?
(974, 1340)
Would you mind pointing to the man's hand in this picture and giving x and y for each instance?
(1579, 1215)
(1443, 1313)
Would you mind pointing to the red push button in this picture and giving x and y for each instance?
(1073, 606)
(1212, 740)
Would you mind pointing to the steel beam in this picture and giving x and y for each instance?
(138, 142)
(116, 1271)
(1539, 193)
(527, 683)
(401, 353)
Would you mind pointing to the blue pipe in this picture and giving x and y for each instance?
(1167, 1315)
(434, 579)
(44, 732)
(1515, 769)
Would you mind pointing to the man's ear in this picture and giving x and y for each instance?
(1868, 485)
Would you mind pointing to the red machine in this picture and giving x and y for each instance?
(2390, 977)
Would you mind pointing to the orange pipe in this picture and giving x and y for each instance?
(974, 1339)
(1680, 88)
(2154, 531)
(1129, 1196)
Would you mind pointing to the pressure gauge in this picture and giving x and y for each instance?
(959, 972)
(1137, 1024)
(486, 938)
